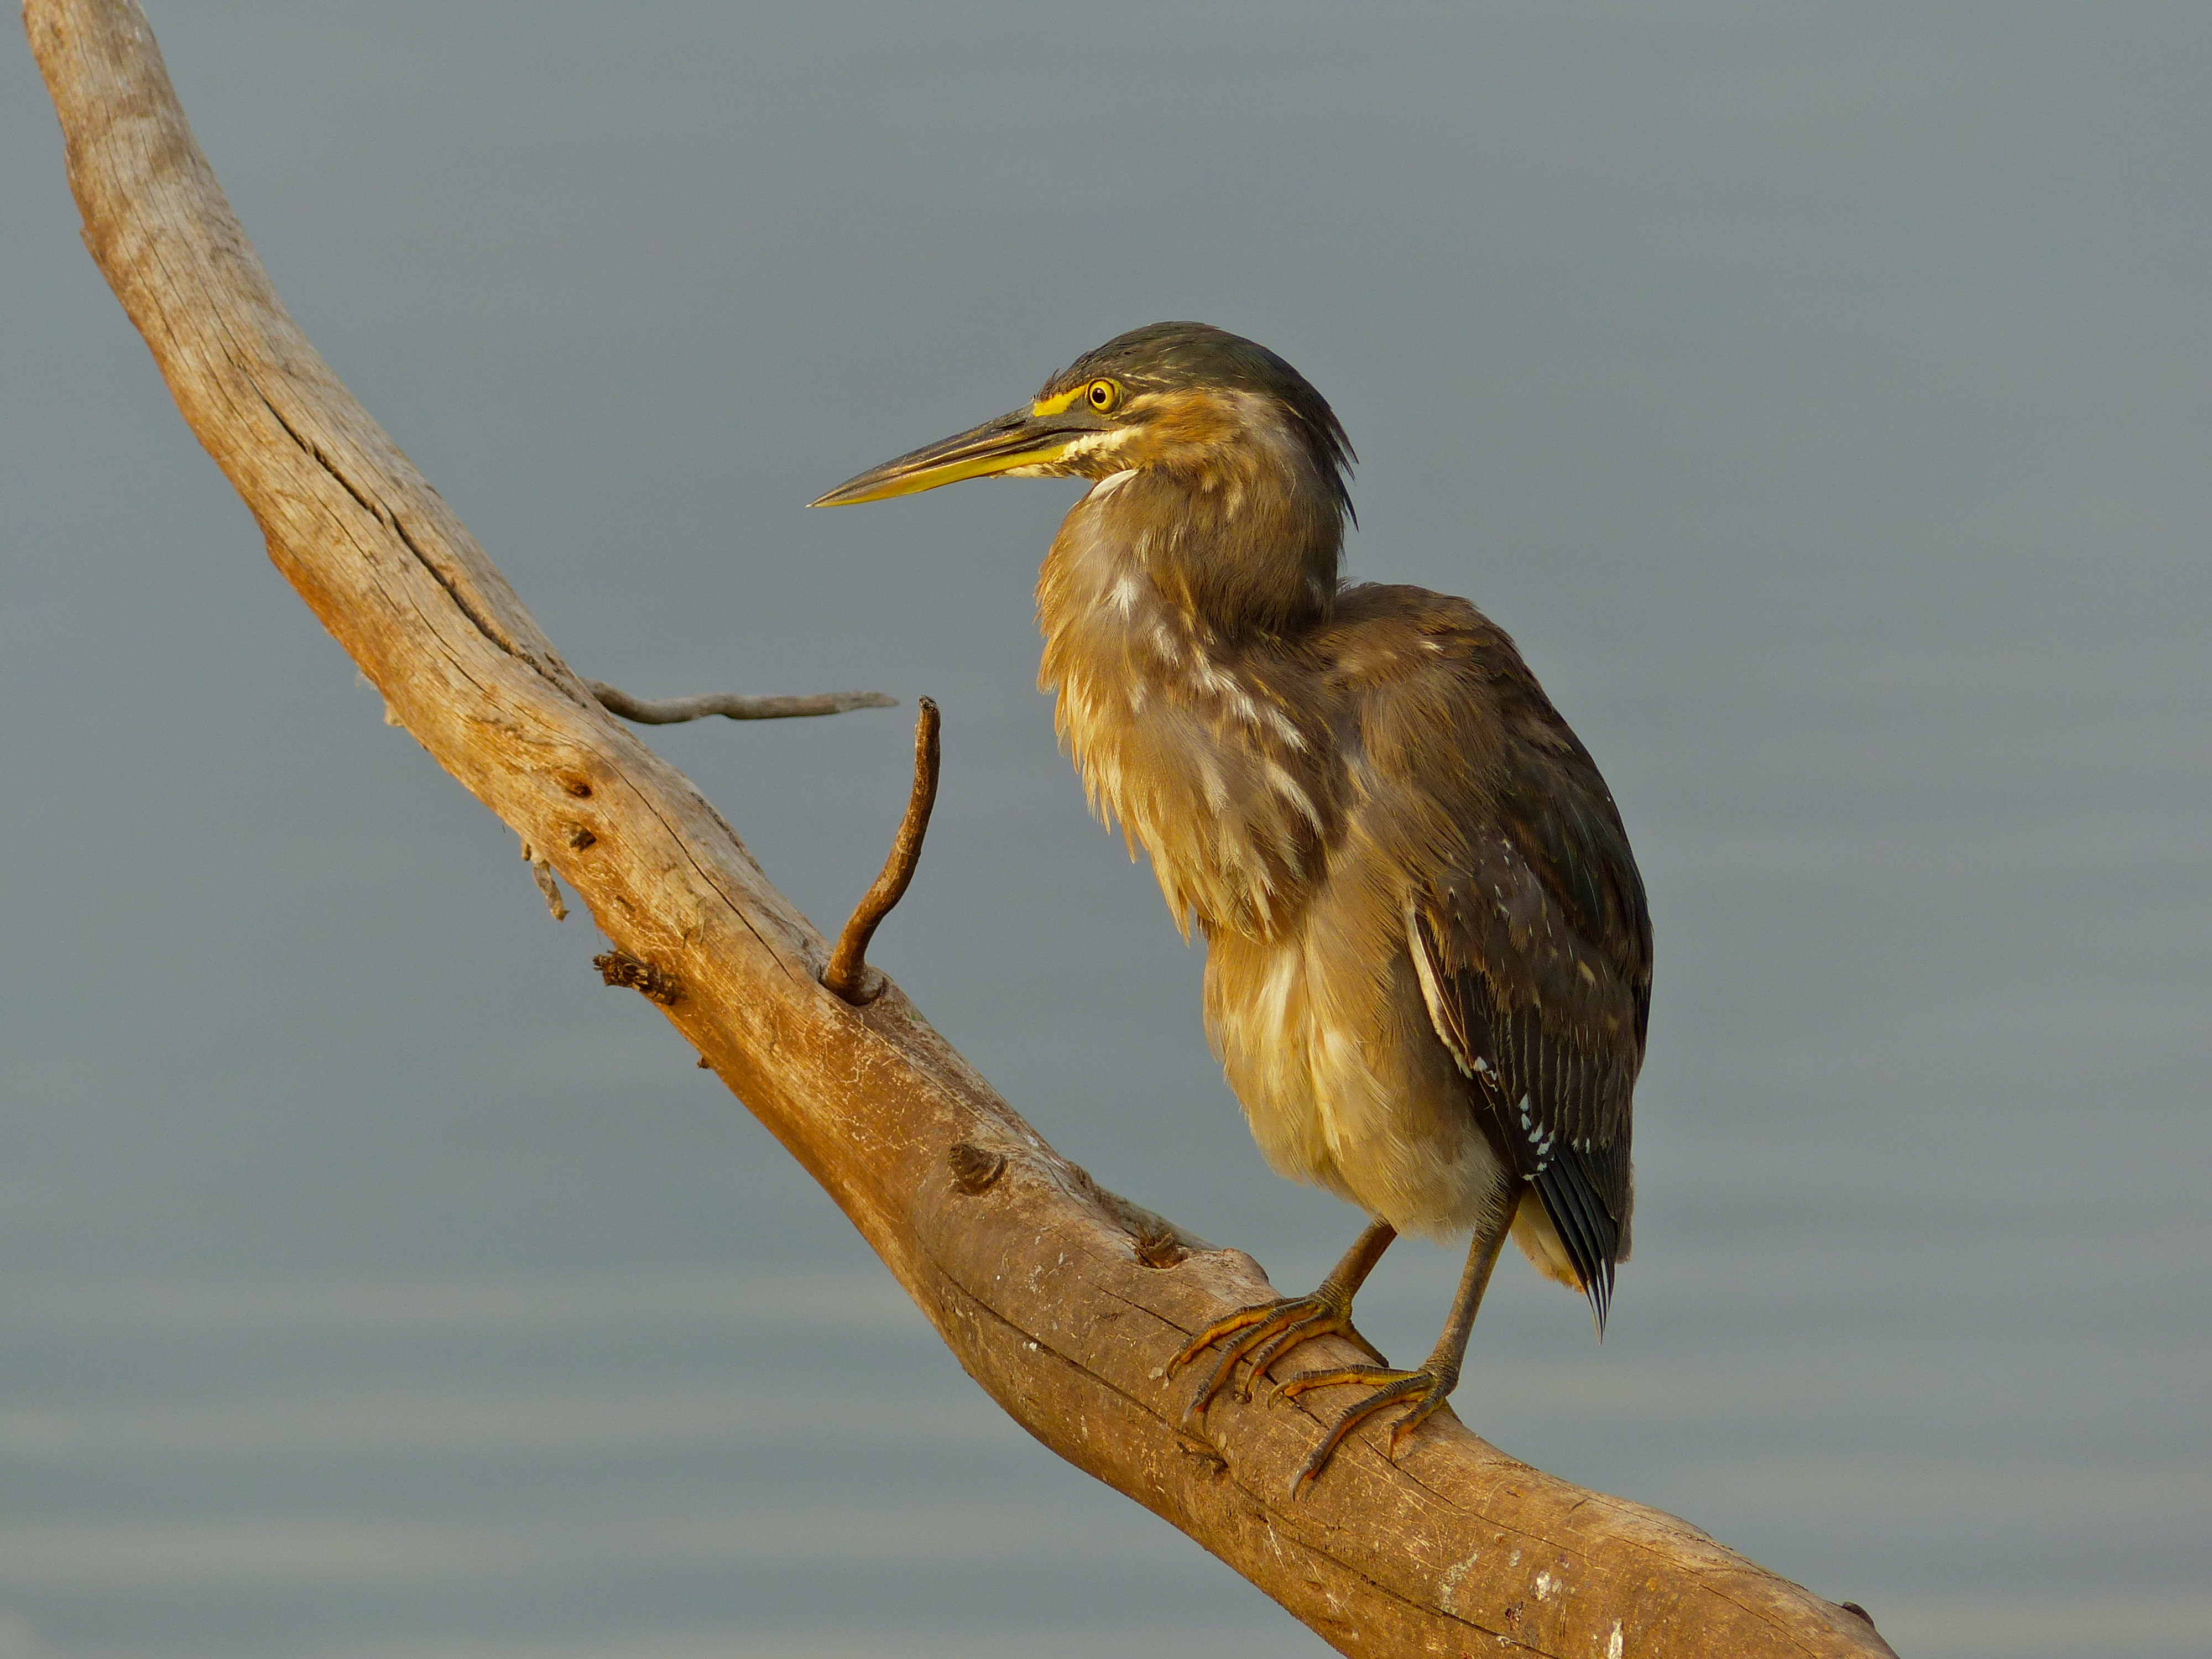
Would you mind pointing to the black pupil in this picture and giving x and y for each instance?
(1098, 395)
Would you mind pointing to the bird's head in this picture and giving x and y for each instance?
(1215, 413)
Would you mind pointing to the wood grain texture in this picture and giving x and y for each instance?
(1062, 1300)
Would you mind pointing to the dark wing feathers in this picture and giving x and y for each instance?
(1557, 1108)
(1584, 1226)
(1534, 940)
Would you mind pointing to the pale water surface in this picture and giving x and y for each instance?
(1820, 394)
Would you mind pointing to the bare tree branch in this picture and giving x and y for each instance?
(848, 973)
(670, 711)
(1064, 1301)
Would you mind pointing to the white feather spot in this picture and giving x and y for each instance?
(1289, 789)
(1207, 677)
(1287, 729)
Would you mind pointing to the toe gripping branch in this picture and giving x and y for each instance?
(848, 973)
(1425, 1391)
(1263, 1333)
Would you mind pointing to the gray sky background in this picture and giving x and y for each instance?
(1820, 395)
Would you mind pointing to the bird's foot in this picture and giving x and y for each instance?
(1427, 1390)
(1268, 1329)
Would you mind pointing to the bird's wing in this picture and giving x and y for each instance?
(1525, 918)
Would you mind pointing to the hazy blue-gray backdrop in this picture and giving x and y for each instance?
(1818, 392)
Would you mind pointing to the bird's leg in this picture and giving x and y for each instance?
(1270, 1328)
(1428, 1387)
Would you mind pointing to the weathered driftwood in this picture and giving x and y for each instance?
(1063, 1301)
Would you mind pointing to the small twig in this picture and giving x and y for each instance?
(543, 873)
(669, 711)
(848, 973)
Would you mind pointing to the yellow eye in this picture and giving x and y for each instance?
(1103, 395)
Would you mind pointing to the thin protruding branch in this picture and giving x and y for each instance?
(672, 711)
(848, 973)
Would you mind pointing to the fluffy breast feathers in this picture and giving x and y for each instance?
(1383, 804)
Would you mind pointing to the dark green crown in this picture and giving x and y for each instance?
(1172, 356)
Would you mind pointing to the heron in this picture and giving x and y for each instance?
(1428, 970)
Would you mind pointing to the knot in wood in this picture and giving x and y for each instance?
(1158, 1247)
(975, 1168)
(620, 968)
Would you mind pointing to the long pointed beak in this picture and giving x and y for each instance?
(1022, 439)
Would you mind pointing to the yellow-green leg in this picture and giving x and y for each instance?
(1271, 1328)
(1427, 1388)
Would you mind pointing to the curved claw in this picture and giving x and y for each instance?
(1221, 1327)
(1270, 1328)
(1427, 1389)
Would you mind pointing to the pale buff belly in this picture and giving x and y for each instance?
(1343, 1084)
